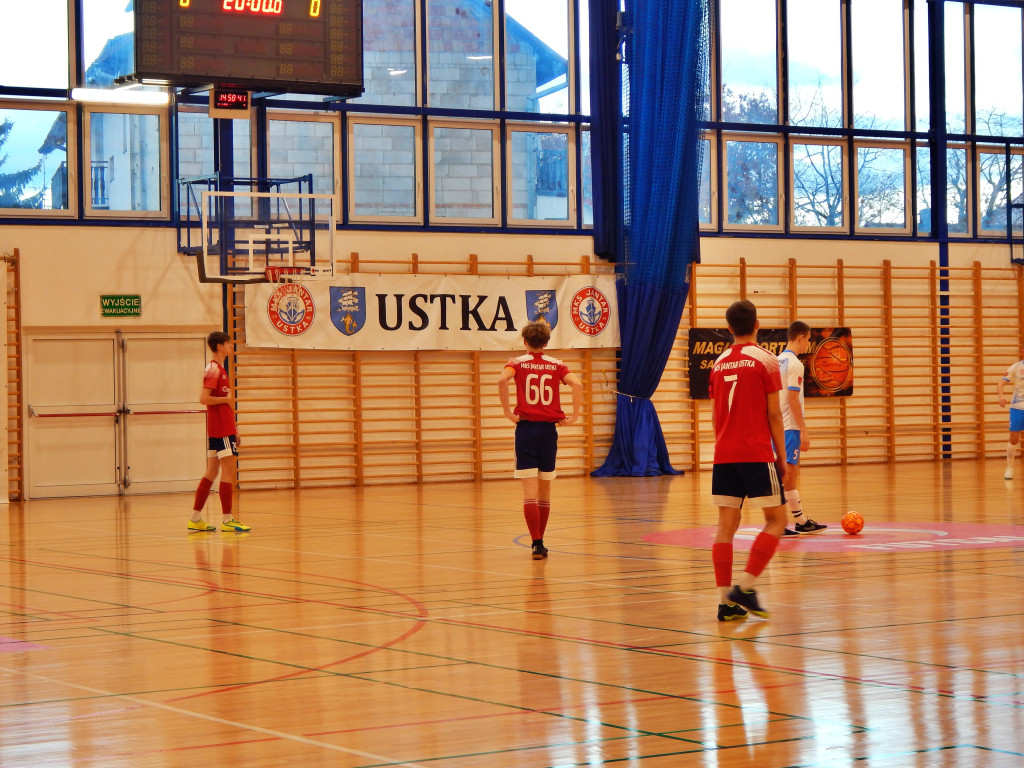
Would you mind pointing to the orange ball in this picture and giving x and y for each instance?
(852, 522)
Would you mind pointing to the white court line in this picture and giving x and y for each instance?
(211, 718)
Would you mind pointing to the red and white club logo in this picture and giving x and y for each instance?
(589, 311)
(291, 309)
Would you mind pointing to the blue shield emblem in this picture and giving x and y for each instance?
(541, 304)
(348, 309)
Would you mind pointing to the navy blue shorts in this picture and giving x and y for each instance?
(757, 482)
(536, 447)
(222, 447)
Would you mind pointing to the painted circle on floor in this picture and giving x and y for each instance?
(876, 537)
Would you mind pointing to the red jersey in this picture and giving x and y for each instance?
(742, 379)
(537, 378)
(220, 419)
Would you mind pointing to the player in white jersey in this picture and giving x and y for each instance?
(1015, 378)
(791, 400)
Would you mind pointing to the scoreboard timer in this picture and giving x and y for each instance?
(301, 46)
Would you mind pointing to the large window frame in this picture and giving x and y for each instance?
(780, 186)
(510, 182)
(908, 208)
(843, 225)
(416, 126)
(91, 211)
(70, 161)
(492, 126)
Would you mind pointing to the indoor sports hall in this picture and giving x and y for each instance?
(371, 198)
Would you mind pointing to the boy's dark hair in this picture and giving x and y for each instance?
(537, 334)
(217, 338)
(797, 329)
(741, 317)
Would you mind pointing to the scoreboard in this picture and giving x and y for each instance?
(300, 46)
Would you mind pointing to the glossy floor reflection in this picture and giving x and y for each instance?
(407, 625)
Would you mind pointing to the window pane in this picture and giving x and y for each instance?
(749, 72)
(704, 193)
(463, 173)
(537, 56)
(196, 139)
(924, 191)
(881, 187)
(878, 100)
(955, 93)
(956, 190)
(817, 185)
(588, 179)
(583, 43)
(997, 71)
(992, 188)
(35, 52)
(540, 176)
(108, 31)
(33, 159)
(389, 53)
(753, 181)
(815, 64)
(922, 109)
(461, 54)
(298, 147)
(384, 170)
(125, 162)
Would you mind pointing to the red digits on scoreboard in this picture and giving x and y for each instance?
(252, 6)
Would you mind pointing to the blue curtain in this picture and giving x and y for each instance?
(666, 59)
(606, 128)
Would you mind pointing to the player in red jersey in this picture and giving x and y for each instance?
(537, 412)
(222, 438)
(750, 460)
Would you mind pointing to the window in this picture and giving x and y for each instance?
(389, 53)
(956, 74)
(997, 189)
(588, 179)
(35, 53)
(298, 145)
(126, 160)
(707, 193)
(538, 177)
(819, 199)
(384, 168)
(108, 41)
(460, 61)
(957, 190)
(37, 161)
(749, 70)
(752, 181)
(537, 56)
(196, 139)
(464, 183)
(878, 71)
(882, 187)
(998, 96)
(815, 63)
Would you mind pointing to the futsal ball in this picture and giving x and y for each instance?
(852, 522)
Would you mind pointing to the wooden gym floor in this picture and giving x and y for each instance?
(408, 625)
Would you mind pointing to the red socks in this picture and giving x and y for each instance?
(544, 507)
(202, 494)
(721, 558)
(225, 491)
(531, 512)
(761, 552)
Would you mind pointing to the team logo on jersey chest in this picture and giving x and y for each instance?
(291, 309)
(348, 309)
(590, 311)
(542, 305)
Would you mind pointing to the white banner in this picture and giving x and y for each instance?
(469, 312)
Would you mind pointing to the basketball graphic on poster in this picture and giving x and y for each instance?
(831, 363)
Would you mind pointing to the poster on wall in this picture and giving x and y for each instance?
(828, 362)
(431, 312)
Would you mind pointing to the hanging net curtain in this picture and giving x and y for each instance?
(659, 86)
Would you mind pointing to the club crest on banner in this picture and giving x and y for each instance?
(541, 304)
(590, 311)
(348, 309)
(291, 309)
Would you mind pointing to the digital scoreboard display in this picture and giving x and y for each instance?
(300, 46)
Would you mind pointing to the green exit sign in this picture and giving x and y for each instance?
(121, 305)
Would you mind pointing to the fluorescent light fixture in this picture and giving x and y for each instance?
(121, 96)
(396, 72)
(479, 58)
